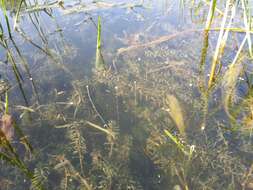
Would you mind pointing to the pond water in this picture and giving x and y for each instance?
(145, 120)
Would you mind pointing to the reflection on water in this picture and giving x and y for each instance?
(147, 120)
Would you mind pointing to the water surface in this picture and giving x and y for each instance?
(106, 129)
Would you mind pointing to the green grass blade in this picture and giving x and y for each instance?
(247, 23)
(176, 141)
(210, 16)
(100, 64)
(6, 18)
(17, 14)
(219, 46)
(6, 103)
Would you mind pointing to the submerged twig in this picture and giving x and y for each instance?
(94, 107)
(100, 128)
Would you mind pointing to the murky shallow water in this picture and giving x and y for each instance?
(109, 129)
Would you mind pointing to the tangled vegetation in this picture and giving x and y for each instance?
(151, 109)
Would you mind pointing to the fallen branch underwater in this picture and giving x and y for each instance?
(155, 42)
(170, 37)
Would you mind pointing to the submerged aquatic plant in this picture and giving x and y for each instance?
(8, 152)
(230, 79)
(71, 172)
(176, 113)
(92, 167)
(78, 143)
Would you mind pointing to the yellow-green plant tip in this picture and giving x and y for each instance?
(6, 103)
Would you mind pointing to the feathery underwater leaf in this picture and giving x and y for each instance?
(40, 176)
(230, 79)
(176, 113)
(78, 143)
